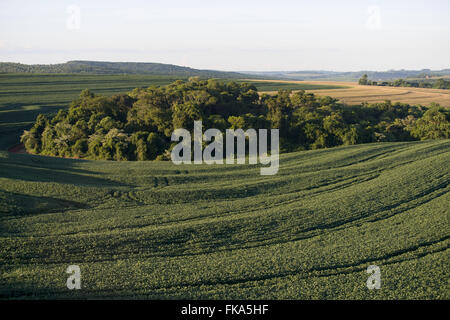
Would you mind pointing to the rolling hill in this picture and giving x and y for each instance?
(161, 69)
(156, 230)
(102, 67)
(352, 75)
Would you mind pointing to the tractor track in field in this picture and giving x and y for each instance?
(397, 257)
(329, 228)
(330, 270)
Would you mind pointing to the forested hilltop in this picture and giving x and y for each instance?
(102, 67)
(138, 125)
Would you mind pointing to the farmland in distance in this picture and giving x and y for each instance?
(354, 94)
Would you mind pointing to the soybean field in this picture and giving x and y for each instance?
(156, 230)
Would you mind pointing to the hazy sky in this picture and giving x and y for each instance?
(231, 35)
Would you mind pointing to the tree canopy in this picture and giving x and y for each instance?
(138, 125)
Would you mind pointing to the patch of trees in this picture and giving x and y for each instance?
(435, 84)
(138, 125)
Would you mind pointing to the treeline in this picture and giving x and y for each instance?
(138, 125)
(435, 84)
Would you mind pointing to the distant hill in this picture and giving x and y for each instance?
(101, 67)
(352, 76)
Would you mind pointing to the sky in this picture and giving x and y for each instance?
(245, 35)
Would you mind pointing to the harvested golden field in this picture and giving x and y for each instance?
(356, 93)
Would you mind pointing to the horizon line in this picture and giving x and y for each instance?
(237, 71)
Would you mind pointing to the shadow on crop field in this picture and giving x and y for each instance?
(54, 174)
(19, 204)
